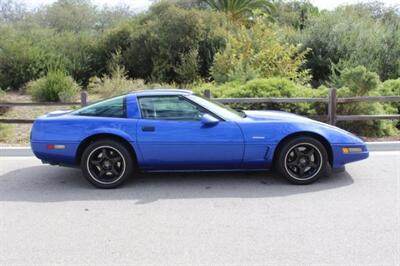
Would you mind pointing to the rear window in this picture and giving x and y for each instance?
(114, 107)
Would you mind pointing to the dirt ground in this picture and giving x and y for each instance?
(18, 134)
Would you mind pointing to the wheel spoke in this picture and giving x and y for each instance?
(102, 173)
(310, 152)
(116, 159)
(114, 172)
(292, 163)
(96, 162)
(301, 171)
(104, 152)
(297, 152)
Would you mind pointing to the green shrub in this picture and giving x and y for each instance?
(160, 45)
(375, 128)
(55, 86)
(73, 52)
(188, 70)
(256, 52)
(271, 87)
(116, 84)
(391, 87)
(361, 34)
(20, 62)
(6, 131)
(3, 110)
(358, 81)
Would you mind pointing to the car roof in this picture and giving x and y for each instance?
(157, 92)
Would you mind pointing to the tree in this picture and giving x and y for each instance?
(157, 46)
(242, 10)
(353, 36)
(256, 52)
(112, 16)
(11, 11)
(199, 4)
(71, 15)
(294, 13)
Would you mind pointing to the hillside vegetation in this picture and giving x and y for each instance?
(255, 49)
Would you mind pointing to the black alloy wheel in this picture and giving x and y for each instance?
(302, 160)
(106, 163)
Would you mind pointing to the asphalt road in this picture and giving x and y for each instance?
(50, 215)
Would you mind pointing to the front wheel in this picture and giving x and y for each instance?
(302, 160)
(106, 163)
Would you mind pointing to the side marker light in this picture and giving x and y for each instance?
(55, 147)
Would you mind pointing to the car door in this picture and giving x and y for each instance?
(170, 135)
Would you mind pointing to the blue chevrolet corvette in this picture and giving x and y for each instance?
(177, 130)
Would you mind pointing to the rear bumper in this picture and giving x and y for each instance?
(65, 156)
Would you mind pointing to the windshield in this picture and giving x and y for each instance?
(219, 109)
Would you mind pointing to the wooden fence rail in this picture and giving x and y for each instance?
(82, 102)
(331, 100)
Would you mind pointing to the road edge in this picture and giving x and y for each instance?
(15, 151)
(26, 151)
(384, 146)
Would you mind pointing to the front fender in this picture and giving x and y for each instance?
(272, 132)
(263, 137)
(337, 139)
(332, 134)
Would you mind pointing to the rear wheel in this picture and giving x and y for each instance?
(106, 163)
(302, 160)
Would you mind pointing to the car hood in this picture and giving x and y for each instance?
(300, 122)
(274, 115)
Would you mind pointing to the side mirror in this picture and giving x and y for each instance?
(208, 120)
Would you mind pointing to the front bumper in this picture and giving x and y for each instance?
(356, 152)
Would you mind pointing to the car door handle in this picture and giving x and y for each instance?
(148, 129)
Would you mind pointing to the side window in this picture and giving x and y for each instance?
(169, 108)
(114, 107)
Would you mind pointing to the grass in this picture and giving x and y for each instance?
(6, 132)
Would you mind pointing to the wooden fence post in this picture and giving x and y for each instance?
(84, 98)
(207, 93)
(332, 102)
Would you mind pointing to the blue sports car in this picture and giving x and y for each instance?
(177, 130)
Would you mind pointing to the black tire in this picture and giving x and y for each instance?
(107, 163)
(302, 160)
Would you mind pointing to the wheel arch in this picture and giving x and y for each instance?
(104, 136)
(314, 135)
